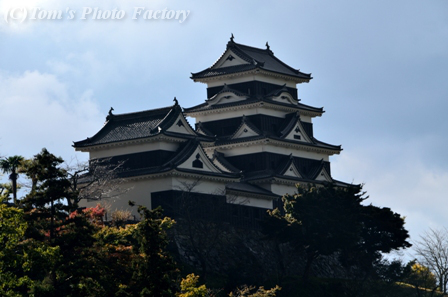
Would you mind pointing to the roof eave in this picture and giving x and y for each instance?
(257, 70)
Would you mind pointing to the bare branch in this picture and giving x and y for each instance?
(97, 179)
(432, 251)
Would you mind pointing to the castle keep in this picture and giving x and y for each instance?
(253, 140)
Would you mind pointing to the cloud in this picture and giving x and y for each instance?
(85, 68)
(39, 111)
(397, 176)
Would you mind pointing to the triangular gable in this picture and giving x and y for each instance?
(292, 171)
(298, 133)
(324, 176)
(229, 58)
(198, 160)
(180, 125)
(245, 131)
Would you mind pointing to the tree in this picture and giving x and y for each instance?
(329, 220)
(96, 180)
(47, 204)
(154, 270)
(419, 276)
(189, 288)
(5, 191)
(32, 169)
(51, 248)
(10, 165)
(23, 262)
(432, 251)
(251, 291)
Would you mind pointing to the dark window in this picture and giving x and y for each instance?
(297, 137)
(197, 163)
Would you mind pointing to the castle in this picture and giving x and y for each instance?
(253, 140)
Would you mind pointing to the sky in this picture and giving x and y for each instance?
(379, 70)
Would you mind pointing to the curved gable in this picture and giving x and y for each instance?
(285, 97)
(229, 58)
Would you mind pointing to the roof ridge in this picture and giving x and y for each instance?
(200, 126)
(139, 113)
(221, 159)
(268, 50)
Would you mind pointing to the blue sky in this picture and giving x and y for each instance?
(379, 71)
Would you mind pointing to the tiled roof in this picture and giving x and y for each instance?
(278, 91)
(209, 72)
(252, 189)
(201, 129)
(132, 126)
(223, 161)
(256, 58)
(180, 156)
(270, 174)
(226, 88)
(252, 100)
(313, 174)
(315, 143)
(127, 126)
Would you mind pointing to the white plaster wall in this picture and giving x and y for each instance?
(278, 189)
(306, 119)
(283, 189)
(140, 192)
(254, 202)
(203, 186)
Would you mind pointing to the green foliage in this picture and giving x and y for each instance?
(48, 204)
(23, 262)
(188, 287)
(251, 291)
(12, 230)
(5, 191)
(10, 165)
(50, 248)
(419, 276)
(329, 220)
(154, 269)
